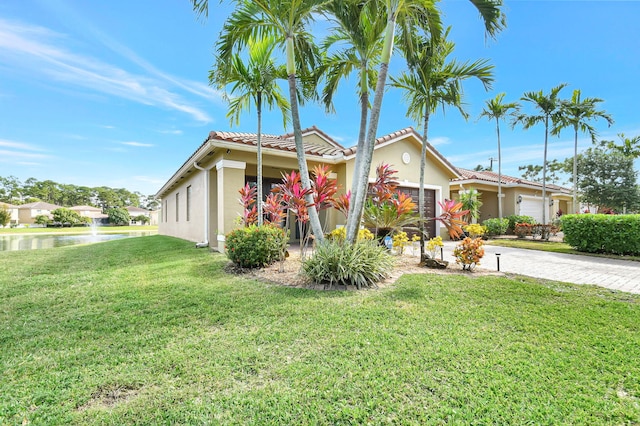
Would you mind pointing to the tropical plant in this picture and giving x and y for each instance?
(515, 219)
(363, 263)
(496, 110)
(549, 113)
(253, 79)
(295, 196)
(410, 16)
(577, 113)
(471, 201)
(341, 234)
(248, 201)
(496, 226)
(452, 217)
(399, 241)
(433, 244)
(286, 22)
(432, 82)
(475, 230)
(469, 252)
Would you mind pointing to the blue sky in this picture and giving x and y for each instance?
(116, 93)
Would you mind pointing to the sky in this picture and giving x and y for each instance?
(116, 93)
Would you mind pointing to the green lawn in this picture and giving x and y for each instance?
(150, 330)
(79, 230)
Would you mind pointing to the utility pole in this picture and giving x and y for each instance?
(491, 159)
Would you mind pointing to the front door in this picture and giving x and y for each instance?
(429, 206)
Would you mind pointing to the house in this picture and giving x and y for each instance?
(94, 213)
(200, 201)
(27, 213)
(13, 212)
(519, 196)
(137, 211)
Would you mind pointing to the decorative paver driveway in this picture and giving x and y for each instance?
(623, 275)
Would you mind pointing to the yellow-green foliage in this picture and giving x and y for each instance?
(433, 244)
(400, 240)
(475, 230)
(339, 234)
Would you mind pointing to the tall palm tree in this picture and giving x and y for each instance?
(577, 113)
(496, 110)
(549, 111)
(287, 22)
(252, 82)
(408, 15)
(359, 28)
(432, 82)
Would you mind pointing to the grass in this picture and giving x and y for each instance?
(551, 246)
(150, 330)
(79, 230)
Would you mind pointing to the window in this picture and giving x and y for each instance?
(188, 203)
(177, 206)
(166, 211)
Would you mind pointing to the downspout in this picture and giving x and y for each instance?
(205, 241)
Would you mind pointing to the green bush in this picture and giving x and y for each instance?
(514, 218)
(119, 216)
(63, 215)
(362, 264)
(496, 226)
(603, 233)
(255, 246)
(42, 219)
(5, 216)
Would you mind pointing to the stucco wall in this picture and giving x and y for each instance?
(192, 229)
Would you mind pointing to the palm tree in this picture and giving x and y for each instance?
(496, 110)
(287, 22)
(409, 15)
(432, 82)
(577, 113)
(359, 26)
(549, 110)
(253, 82)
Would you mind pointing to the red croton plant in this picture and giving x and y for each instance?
(451, 218)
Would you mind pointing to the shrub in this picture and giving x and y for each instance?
(474, 230)
(496, 226)
(400, 241)
(65, 216)
(340, 234)
(255, 246)
(362, 264)
(469, 252)
(119, 216)
(514, 218)
(600, 233)
(5, 216)
(433, 244)
(42, 219)
(141, 218)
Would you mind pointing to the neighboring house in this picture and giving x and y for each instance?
(519, 196)
(153, 217)
(137, 211)
(13, 211)
(200, 201)
(27, 212)
(94, 213)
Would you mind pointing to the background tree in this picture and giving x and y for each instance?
(119, 216)
(10, 189)
(5, 216)
(577, 113)
(432, 82)
(548, 107)
(496, 110)
(608, 179)
(253, 79)
(629, 147)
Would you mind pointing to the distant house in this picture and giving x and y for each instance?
(200, 201)
(519, 196)
(94, 213)
(27, 212)
(137, 211)
(13, 211)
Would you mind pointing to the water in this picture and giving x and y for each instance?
(39, 241)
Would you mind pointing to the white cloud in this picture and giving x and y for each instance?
(439, 140)
(138, 144)
(19, 145)
(171, 132)
(37, 50)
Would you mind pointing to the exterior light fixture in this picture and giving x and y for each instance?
(519, 200)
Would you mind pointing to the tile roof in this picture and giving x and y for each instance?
(87, 208)
(492, 177)
(39, 205)
(7, 205)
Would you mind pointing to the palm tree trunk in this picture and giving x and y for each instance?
(359, 185)
(575, 172)
(259, 146)
(499, 171)
(423, 166)
(544, 174)
(314, 219)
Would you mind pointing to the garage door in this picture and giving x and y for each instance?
(531, 206)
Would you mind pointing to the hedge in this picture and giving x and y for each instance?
(601, 233)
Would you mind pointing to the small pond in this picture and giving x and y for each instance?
(41, 241)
